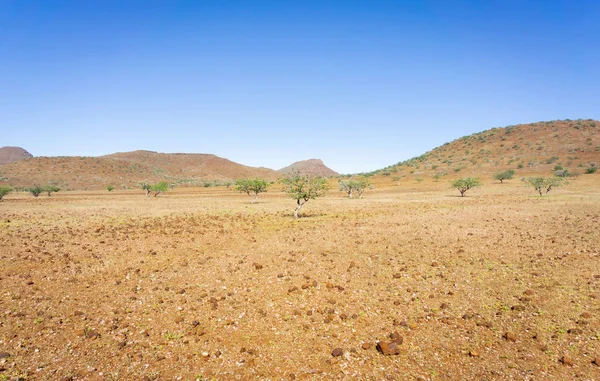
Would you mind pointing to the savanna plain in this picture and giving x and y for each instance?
(202, 283)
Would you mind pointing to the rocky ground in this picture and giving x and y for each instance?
(202, 284)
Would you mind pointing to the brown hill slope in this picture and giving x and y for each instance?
(193, 166)
(127, 170)
(11, 154)
(313, 167)
(536, 148)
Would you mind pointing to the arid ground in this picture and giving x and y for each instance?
(199, 283)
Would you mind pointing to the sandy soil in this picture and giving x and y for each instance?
(202, 284)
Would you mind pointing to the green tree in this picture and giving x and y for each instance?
(110, 188)
(466, 183)
(252, 187)
(545, 184)
(36, 190)
(358, 185)
(4, 191)
(303, 188)
(505, 175)
(162, 186)
(50, 189)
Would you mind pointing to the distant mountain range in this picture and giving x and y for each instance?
(128, 169)
(541, 147)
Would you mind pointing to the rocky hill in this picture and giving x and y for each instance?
(541, 147)
(128, 169)
(12, 154)
(314, 167)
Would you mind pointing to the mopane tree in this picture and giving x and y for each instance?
(36, 190)
(466, 183)
(162, 186)
(4, 191)
(352, 186)
(50, 189)
(545, 184)
(303, 188)
(505, 175)
(252, 187)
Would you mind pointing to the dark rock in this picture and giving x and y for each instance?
(337, 352)
(567, 360)
(388, 349)
(510, 336)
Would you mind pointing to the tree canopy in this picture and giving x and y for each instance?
(303, 188)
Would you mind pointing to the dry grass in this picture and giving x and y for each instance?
(201, 283)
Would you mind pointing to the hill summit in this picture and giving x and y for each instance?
(11, 154)
(314, 167)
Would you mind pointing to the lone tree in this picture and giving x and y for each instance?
(36, 190)
(303, 188)
(354, 185)
(252, 187)
(466, 183)
(506, 175)
(51, 188)
(544, 184)
(162, 186)
(4, 191)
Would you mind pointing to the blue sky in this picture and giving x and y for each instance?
(359, 84)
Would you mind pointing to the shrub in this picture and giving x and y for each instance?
(36, 190)
(110, 188)
(4, 191)
(590, 170)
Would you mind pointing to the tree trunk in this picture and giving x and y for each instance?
(298, 207)
(147, 192)
(156, 194)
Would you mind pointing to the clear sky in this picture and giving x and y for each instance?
(358, 84)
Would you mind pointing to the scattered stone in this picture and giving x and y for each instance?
(388, 349)
(257, 266)
(78, 313)
(510, 336)
(483, 323)
(366, 346)
(292, 289)
(574, 331)
(337, 352)
(92, 334)
(182, 291)
(567, 360)
(528, 292)
(474, 353)
(596, 361)
(397, 276)
(586, 315)
(396, 338)
(434, 264)
(518, 308)
(443, 306)
(4, 355)
(178, 319)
